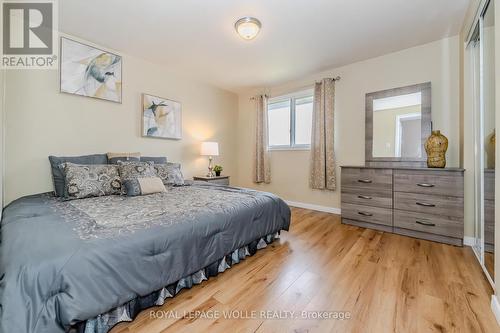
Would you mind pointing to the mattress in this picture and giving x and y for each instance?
(64, 262)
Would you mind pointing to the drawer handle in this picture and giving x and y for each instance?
(427, 224)
(425, 185)
(425, 204)
(365, 214)
(365, 181)
(364, 197)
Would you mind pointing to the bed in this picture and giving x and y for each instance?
(85, 265)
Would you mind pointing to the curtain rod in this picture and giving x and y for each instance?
(254, 98)
(337, 78)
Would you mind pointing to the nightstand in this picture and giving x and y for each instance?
(220, 180)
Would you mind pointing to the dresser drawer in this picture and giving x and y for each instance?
(368, 197)
(366, 178)
(368, 214)
(428, 223)
(430, 204)
(447, 183)
(220, 181)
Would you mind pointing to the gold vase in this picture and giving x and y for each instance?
(489, 147)
(435, 147)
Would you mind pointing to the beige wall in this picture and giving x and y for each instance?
(40, 121)
(437, 62)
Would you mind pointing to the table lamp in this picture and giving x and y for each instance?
(210, 149)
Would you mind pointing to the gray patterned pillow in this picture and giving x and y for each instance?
(170, 173)
(84, 181)
(58, 174)
(133, 170)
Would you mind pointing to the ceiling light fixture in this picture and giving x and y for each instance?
(247, 27)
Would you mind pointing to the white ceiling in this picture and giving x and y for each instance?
(298, 37)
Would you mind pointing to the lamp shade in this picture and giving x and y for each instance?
(209, 149)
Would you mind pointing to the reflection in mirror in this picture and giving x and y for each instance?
(397, 122)
(488, 139)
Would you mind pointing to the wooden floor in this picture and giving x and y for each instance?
(386, 282)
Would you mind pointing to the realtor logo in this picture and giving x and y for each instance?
(29, 34)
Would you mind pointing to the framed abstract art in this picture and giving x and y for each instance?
(161, 117)
(89, 71)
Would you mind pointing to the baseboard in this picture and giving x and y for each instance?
(469, 241)
(318, 208)
(495, 307)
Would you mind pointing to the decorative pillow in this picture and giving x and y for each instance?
(170, 173)
(113, 158)
(58, 174)
(84, 181)
(154, 159)
(133, 170)
(144, 186)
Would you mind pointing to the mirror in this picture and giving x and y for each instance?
(487, 139)
(396, 126)
(480, 55)
(398, 121)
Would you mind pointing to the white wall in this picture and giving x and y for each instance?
(437, 62)
(40, 121)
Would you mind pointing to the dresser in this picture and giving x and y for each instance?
(416, 202)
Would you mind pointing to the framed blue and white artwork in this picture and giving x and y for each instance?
(89, 71)
(161, 118)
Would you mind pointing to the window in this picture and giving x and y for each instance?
(290, 121)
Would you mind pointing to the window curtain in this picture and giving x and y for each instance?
(262, 168)
(322, 173)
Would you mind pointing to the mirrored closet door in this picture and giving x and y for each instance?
(488, 134)
(481, 48)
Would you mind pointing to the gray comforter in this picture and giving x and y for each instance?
(65, 262)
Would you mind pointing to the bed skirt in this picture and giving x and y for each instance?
(127, 312)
